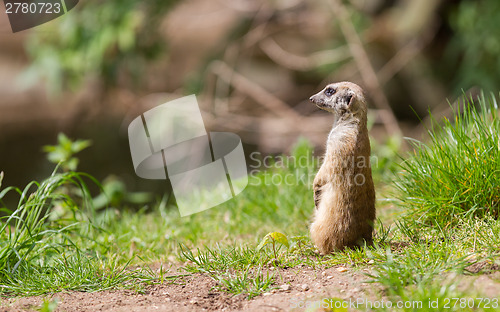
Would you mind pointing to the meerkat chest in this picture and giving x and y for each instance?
(344, 154)
(341, 142)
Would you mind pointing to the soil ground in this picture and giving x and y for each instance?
(197, 293)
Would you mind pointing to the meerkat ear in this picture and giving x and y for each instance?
(348, 98)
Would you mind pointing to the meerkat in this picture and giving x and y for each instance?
(344, 195)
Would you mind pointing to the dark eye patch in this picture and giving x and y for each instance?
(330, 91)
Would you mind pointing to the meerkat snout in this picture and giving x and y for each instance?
(344, 194)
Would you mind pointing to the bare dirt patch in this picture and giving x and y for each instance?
(483, 266)
(198, 293)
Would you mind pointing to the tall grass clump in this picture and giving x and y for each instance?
(456, 175)
(50, 239)
(28, 231)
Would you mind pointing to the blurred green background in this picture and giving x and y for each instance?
(252, 65)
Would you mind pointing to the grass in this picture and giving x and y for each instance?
(443, 222)
(42, 250)
(27, 232)
(244, 282)
(457, 174)
(448, 191)
(77, 273)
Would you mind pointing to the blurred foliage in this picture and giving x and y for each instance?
(114, 191)
(102, 38)
(476, 44)
(115, 194)
(63, 152)
(116, 41)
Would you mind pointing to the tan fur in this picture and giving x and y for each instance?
(344, 194)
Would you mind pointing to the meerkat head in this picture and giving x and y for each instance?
(344, 99)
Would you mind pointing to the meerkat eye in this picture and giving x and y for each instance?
(330, 91)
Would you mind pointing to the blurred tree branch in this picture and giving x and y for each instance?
(254, 91)
(365, 68)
